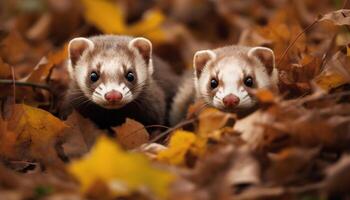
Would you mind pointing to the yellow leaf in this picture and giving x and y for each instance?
(121, 171)
(149, 26)
(212, 119)
(265, 96)
(109, 18)
(105, 15)
(181, 143)
(35, 132)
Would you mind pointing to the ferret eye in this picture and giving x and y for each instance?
(214, 83)
(94, 76)
(248, 81)
(130, 77)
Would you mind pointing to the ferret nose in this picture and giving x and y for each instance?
(113, 96)
(231, 100)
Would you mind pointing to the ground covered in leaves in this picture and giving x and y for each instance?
(296, 146)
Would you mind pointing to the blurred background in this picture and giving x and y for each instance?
(34, 33)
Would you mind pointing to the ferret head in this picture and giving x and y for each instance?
(225, 77)
(111, 71)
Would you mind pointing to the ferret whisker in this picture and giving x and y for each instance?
(135, 87)
(83, 103)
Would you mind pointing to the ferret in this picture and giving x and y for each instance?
(224, 78)
(117, 77)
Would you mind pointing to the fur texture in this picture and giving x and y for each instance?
(229, 66)
(144, 99)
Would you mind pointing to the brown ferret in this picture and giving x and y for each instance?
(117, 77)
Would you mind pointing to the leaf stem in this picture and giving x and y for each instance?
(25, 84)
(293, 42)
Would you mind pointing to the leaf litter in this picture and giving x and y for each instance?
(296, 146)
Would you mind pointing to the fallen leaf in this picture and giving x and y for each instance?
(335, 73)
(338, 17)
(14, 48)
(212, 119)
(108, 16)
(5, 69)
(131, 134)
(31, 133)
(80, 135)
(338, 176)
(265, 96)
(42, 70)
(181, 144)
(122, 172)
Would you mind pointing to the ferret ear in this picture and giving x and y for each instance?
(201, 59)
(144, 46)
(266, 56)
(77, 46)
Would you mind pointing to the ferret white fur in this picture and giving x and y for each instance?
(228, 68)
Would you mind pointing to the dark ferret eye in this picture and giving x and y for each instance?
(248, 81)
(213, 83)
(94, 76)
(130, 77)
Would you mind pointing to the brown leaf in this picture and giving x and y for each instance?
(80, 136)
(338, 176)
(131, 134)
(42, 70)
(338, 17)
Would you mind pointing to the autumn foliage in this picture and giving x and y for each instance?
(296, 146)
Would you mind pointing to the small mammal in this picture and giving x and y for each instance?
(224, 77)
(117, 77)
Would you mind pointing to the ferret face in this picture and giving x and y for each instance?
(111, 76)
(226, 81)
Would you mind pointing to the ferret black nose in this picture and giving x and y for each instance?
(113, 96)
(231, 100)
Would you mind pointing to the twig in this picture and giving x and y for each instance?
(14, 85)
(304, 31)
(25, 84)
(293, 42)
(145, 127)
(179, 125)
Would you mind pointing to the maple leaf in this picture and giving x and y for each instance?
(122, 172)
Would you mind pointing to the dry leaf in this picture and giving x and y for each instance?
(105, 15)
(212, 119)
(122, 172)
(30, 133)
(338, 17)
(181, 144)
(42, 70)
(131, 134)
